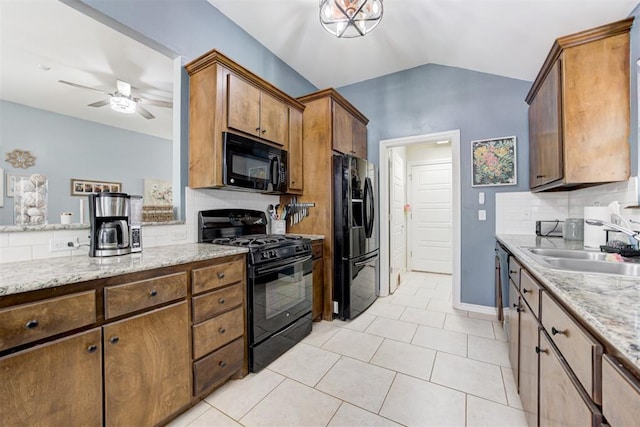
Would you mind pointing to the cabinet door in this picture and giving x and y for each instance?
(243, 106)
(318, 289)
(545, 131)
(147, 374)
(296, 159)
(56, 384)
(342, 129)
(513, 319)
(359, 139)
(274, 120)
(562, 400)
(528, 377)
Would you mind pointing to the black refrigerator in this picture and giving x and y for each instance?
(355, 236)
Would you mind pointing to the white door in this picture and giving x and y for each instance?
(398, 238)
(431, 217)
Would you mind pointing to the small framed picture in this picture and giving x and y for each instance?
(84, 187)
(493, 162)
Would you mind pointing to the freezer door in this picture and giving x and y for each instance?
(357, 287)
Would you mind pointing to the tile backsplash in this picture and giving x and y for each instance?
(31, 245)
(517, 213)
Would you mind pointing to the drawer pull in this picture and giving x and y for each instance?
(524, 290)
(92, 348)
(153, 293)
(222, 330)
(221, 300)
(539, 350)
(257, 129)
(221, 275)
(512, 272)
(222, 364)
(31, 324)
(555, 331)
(264, 131)
(114, 340)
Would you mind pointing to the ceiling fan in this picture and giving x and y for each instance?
(122, 101)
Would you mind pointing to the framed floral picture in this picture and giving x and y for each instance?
(493, 162)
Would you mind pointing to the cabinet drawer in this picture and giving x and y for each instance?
(216, 332)
(514, 271)
(208, 305)
(204, 279)
(581, 351)
(130, 297)
(620, 394)
(218, 366)
(31, 322)
(316, 250)
(531, 292)
(562, 400)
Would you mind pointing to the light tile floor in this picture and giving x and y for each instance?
(410, 359)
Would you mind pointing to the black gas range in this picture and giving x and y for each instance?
(279, 280)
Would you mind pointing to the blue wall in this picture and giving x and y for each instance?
(66, 147)
(435, 98)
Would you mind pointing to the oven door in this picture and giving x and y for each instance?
(280, 293)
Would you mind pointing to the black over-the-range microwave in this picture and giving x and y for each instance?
(252, 165)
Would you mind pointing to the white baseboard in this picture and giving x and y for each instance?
(482, 309)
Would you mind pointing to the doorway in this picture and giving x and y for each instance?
(387, 224)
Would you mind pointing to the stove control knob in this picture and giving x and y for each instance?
(263, 255)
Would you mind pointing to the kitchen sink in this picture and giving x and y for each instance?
(586, 261)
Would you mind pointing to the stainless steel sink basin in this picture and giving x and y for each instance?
(585, 261)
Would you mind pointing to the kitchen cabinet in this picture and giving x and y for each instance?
(528, 359)
(318, 281)
(319, 137)
(54, 383)
(579, 111)
(296, 156)
(513, 317)
(224, 96)
(349, 131)
(620, 394)
(146, 359)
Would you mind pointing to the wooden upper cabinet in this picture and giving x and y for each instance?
(224, 96)
(342, 129)
(296, 159)
(579, 116)
(359, 139)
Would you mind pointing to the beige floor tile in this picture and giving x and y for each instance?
(394, 329)
(498, 331)
(353, 344)
(359, 383)
(360, 323)
(385, 309)
(470, 376)
(237, 397)
(483, 316)
(295, 363)
(422, 317)
(351, 416)
(320, 333)
(213, 417)
(415, 402)
(293, 404)
(488, 350)
(435, 294)
(445, 307)
(415, 301)
(513, 398)
(190, 415)
(477, 327)
(406, 289)
(406, 358)
(483, 413)
(442, 340)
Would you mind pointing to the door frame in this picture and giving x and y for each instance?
(454, 137)
(410, 232)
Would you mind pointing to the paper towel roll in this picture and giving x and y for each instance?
(594, 235)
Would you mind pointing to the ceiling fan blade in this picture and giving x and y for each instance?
(123, 87)
(144, 113)
(99, 103)
(82, 87)
(157, 103)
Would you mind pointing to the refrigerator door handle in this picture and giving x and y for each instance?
(365, 261)
(369, 209)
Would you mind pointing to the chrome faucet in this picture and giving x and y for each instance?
(634, 237)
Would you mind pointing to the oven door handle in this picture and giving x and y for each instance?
(283, 266)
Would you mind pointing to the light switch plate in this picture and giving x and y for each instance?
(482, 215)
(481, 198)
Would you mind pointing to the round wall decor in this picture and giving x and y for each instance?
(20, 159)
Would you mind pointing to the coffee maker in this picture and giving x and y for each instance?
(110, 224)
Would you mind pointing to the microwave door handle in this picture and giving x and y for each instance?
(275, 172)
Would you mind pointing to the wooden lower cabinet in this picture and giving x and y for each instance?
(563, 402)
(528, 375)
(318, 281)
(147, 367)
(55, 384)
(513, 331)
(620, 394)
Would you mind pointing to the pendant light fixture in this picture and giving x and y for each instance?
(350, 18)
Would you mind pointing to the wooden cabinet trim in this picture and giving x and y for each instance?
(214, 333)
(217, 276)
(335, 97)
(213, 369)
(206, 306)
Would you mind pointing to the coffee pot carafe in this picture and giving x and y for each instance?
(110, 227)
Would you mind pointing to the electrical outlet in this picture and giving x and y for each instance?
(58, 245)
(482, 215)
(481, 198)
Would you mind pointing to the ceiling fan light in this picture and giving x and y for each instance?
(122, 104)
(350, 18)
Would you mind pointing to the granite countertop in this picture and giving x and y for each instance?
(16, 277)
(608, 304)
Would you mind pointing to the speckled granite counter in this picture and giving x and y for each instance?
(608, 304)
(27, 276)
